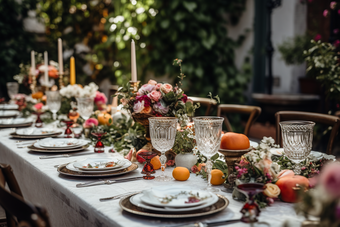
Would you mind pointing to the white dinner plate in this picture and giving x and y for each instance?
(136, 200)
(98, 164)
(59, 143)
(37, 131)
(81, 143)
(14, 121)
(313, 154)
(8, 113)
(9, 106)
(126, 165)
(155, 195)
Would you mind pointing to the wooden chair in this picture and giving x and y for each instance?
(18, 211)
(325, 119)
(206, 102)
(253, 111)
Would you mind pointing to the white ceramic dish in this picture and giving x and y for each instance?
(80, 144)
(12, 121)
(153, 196)
(126, 165)
(37, 131)
(9, 106)
(8, 113)
(59, 143)
(98, 164)
(65, 150)
(136, 200)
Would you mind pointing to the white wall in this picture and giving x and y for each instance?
(288, 20)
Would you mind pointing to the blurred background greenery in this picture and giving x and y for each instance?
(98, 33)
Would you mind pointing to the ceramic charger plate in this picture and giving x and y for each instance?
(220, 205)
(64, 171)
(50, 143)
(136, 200)
(100, 162)
(37, 131)
(125, 165)
(18, 122)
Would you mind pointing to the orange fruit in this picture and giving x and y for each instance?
(234, 141)
(104, 119)
(156, 162)
(37, 95)
(216, 177)
(181, 173)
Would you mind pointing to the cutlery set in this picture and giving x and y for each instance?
(103, 182)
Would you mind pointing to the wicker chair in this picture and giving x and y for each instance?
(325, 119)
(253, 111)
(18, 211)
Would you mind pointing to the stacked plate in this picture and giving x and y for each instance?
(98, 167)
(52, 145)
(15, 122)
(174, 202)
(9, 107)
(36, 133)
(9, 113)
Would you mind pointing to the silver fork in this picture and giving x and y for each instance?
(118, 196)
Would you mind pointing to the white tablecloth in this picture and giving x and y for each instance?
(68, 205)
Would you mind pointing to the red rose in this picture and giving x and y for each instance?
(184, 98)
(146, 99)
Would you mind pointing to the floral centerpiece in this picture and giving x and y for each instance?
(158, 99)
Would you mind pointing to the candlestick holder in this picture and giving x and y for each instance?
(33, 83)
(134, 85)
(61, 80)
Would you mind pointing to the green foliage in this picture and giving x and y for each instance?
(194, 31)
(292, 49)
(184, 142)
(323, 64)
(15, 43)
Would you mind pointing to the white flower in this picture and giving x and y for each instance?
(138, 107)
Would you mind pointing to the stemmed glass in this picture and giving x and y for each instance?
(85, 107)
(12, 89)
(148, 167)
(297, 140)
(208, 137)
(53, 101)
(99, 147)
(163, 133)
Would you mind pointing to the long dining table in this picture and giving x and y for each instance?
(68, 205)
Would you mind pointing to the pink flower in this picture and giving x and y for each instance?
(158, 107)
(145, 98)
(89, 123)
(138, 107)
(152, 82)
(100, 100)
(336, 43)
(336, 31)
(194, 169)
(158, 87)
(269, 200)
(155, 95)
(333, 5)
(145, 89)
(184, 98)
(170, 163)
(166, 88)
(38, 106)
(330, 178)
(124, 101)
(317, 37)
(285, 173)
(325, 13)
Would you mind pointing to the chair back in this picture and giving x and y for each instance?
(206, 102)
(253, 111)
(18, 211)
(325, 119)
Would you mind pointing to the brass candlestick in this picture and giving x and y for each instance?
(33, 83)
(134, 86)
(61, 80)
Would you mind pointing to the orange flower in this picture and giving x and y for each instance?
(200, 166)
(147, 109)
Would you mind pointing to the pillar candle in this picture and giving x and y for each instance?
(133, 62)
(60, 56)
(46, 68)
(72, 71)
(32, 63)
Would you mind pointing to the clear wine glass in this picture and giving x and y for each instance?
(85, 107)
(297, 140)
(12, 89)
(208, 138)
(163, 133)
(53, 101)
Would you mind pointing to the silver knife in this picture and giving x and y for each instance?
(210, 224)
(107, 182)
(62, 155)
